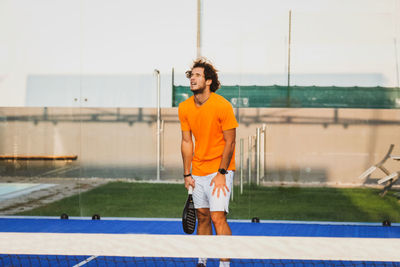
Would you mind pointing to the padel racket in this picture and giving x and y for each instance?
(189, 214)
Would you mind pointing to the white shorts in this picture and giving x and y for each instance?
(202, 193)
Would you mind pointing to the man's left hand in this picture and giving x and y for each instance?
(219, 182)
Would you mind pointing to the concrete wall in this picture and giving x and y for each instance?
(319, 146)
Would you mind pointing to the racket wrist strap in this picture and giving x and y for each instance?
(187, 175)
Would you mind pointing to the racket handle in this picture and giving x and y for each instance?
(190, 191)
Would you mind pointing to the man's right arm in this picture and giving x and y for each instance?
(187, 155)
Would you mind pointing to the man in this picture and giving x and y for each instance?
(210, 169)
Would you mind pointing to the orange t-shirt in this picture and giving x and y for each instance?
(207, 123)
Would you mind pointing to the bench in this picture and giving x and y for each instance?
(390, 178)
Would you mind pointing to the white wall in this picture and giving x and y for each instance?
(343, 43)
(133, 90)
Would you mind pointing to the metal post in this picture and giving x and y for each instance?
(397, 62)
(162, 145)
(289, 43)
(232, 191)
(241, 165)
(258, 139)
(249, 158)
(198, 43)
(173, 87)
(157, 73)
(264, 128)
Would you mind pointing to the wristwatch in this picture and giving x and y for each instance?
(222, 171)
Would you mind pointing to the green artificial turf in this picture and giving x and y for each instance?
(151, 200)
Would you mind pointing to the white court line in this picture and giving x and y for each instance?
(85, 261)
(187, 246)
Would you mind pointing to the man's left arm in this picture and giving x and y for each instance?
(219, 180)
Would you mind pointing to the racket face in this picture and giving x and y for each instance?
(189, 216)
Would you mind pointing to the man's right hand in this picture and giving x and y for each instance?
(189, 181)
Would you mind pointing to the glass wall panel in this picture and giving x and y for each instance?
(40, 144)
(298, 56)
(129, 51)
(39, 159)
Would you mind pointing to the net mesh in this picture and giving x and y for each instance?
(50, 249)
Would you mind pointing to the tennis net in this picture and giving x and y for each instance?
(74, 249)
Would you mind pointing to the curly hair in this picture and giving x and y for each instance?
(210, 73)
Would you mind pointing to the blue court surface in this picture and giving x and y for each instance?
(174, 227)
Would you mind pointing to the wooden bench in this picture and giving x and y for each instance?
(28, 157)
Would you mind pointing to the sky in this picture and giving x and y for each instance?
(341, 42)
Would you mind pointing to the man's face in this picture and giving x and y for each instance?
(198, 81)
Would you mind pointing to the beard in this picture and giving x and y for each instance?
(198, 90)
